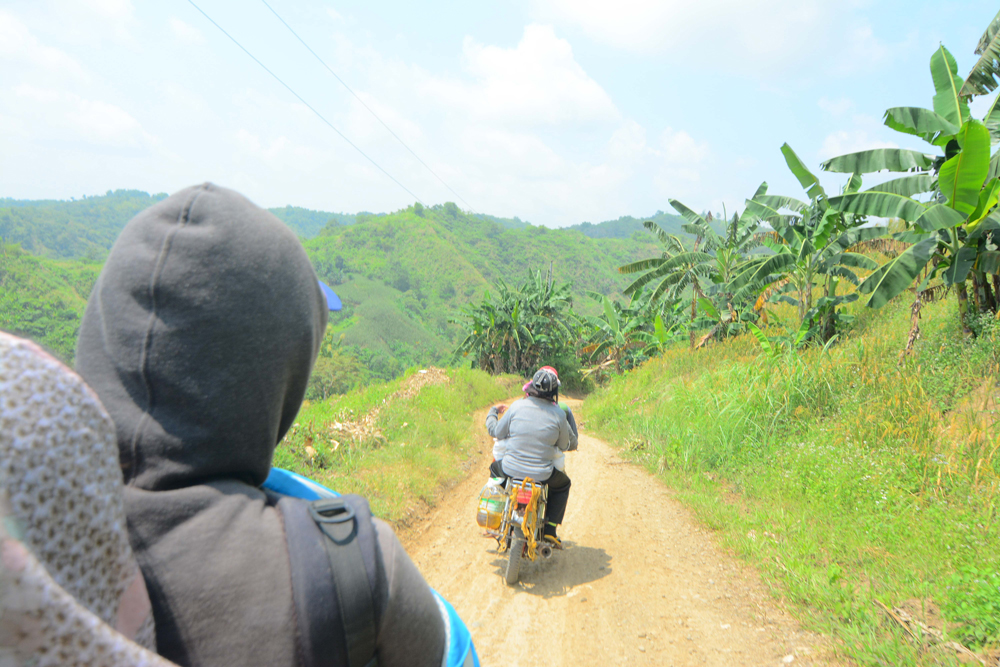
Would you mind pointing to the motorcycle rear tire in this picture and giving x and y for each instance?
(514, 558)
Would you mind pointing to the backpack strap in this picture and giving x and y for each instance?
(338, 580)
(338, 521)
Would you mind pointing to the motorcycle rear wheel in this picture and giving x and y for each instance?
(514, 558)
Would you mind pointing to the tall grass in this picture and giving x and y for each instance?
(847, 476)
(413, 448)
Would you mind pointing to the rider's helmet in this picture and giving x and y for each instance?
(545, 382)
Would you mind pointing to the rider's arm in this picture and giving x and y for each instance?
(574, 433)
(498, 427)
(562, 443)
(412, 630)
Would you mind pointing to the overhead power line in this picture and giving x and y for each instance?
(299, 98)
(370, 110)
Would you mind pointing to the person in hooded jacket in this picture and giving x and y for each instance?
(531, 435)
(199, 338)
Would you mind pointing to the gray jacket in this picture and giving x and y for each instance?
(199, 338)
(530, 435)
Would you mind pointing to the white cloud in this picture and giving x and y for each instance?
(866, 133)
(334, 14)
(861, 50)
(17, 43)
(679, 169)
(118, 9)
(186, 32)
(679, 148)
(836, 107)
(536, 83)
(735, 34)
(64, 116)
(91, 22)
(842, 142)
(662, 25)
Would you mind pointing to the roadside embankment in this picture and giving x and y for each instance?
(397, 443)
(864, 487)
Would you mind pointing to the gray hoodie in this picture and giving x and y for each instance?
(530, 435)
(199, 338)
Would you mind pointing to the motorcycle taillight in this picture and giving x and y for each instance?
(524, 496)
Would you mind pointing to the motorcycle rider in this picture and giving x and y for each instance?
(199, 338)
(530, 436)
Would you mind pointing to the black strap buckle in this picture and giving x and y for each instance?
(331, 510)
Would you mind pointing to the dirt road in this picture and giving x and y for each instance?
(638, 583)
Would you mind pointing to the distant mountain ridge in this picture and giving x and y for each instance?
(403, 276)
(88, 226)
(625, 226)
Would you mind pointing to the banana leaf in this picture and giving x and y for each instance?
(947, 84)
(982, 77)
(878, 159)
(668, 240)
(806, 178)
(906, 186)
(898, 273)
(709, 308)
(915, 235)
(776, 202)
(845, 273)
(765, 344)
(960, 266)
(611, 315)
(991, 223)
(879, 204)
(988, 261)
(857, 261)
(853, 184)
(961, 178)
(924, 123)
(938, 217)
(687, 213)
(857, 235)
(774, 264)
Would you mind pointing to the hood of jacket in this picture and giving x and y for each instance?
(199, 337)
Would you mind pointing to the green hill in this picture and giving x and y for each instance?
(307, 223)
(626, 226)
(77, 228)
(88, 227)
(43, 299)
(402, 276)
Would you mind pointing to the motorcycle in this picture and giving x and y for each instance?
(521, 525)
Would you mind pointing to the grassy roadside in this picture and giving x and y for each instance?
(846, 477)
(397, 443)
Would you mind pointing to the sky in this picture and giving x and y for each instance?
(557, 112)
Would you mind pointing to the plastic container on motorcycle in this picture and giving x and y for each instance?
(491, 503)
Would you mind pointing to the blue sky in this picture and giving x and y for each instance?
(557, 112)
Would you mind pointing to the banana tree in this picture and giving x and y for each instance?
(518, 327)
(811, 246)
(953, 233)
(624, 334)
(730, 251)
(673, 273)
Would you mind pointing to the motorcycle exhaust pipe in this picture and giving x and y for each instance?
(545, 551)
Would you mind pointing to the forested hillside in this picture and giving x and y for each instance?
(43, 299)
(402, 276)
(87, 227)
(626, 226)
(78, 228)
